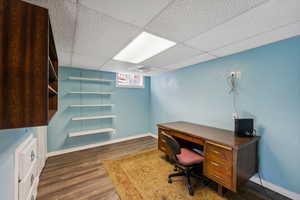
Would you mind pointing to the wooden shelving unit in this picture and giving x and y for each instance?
(89, 79)
(94, 117)
(52, 76)
(90, 132)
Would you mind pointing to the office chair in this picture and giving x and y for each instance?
(185, 160)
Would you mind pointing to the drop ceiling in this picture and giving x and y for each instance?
(89, 33)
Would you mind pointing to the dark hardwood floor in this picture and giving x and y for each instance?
(81, 175)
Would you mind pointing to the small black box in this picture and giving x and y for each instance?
(243, 127)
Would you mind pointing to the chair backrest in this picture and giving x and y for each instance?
(173, 148)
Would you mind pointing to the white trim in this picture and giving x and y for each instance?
(276, 188)
(153, 135)
(16, 165)
(55, 153)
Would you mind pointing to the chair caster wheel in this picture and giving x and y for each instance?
(170, 181)
(191, 193)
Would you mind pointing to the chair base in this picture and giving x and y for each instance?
(187, 172)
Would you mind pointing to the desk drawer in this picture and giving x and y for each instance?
(219, 154)
(219, 167)
(161, 143)
(187, 137)
(217, 176)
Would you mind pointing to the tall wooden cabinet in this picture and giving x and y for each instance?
(28, 66)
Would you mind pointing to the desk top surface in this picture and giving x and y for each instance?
(221, 136)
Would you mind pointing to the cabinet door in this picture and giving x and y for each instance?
(23, 64)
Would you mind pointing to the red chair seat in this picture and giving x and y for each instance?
(188, 157)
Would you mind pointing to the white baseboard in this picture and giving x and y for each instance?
(153, 135)
(276, 188)
(55, 153)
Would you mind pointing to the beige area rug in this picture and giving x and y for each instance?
(144, 177)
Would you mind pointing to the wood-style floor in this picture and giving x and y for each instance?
(81, 176)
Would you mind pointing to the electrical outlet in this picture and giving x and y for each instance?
(237, 75)
(234, 115)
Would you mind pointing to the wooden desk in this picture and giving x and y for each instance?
(229, 160)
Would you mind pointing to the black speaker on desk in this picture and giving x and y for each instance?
(243, 127)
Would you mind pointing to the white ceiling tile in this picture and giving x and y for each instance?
(191, 61)
(273, 14)
(64, 58)
(155, 71)
(172, 55)
(86, 62)
(63, 20)
(263, 39)
(185, 19)
(41, 3)
(137, 12)
(101, 36)
(119, 66)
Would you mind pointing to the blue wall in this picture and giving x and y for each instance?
(269, 90)
(9, 140)
(131, 107)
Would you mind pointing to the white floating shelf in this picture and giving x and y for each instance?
(90, 132)
(52, 90)
(100, 93)
(91, 105)
(94, 117)
(89, 79)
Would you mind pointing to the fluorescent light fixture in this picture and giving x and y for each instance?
(144, 46)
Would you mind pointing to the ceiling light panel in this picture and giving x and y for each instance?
(137, 12)
(100, 36)
(261, 19)
(191, 61)
(263, 39)
(63, 18)
(143, 47)
(183, 20)
(171, 56)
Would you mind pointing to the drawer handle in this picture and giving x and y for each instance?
(32, 156)
(218, 177)
(31, 179)
(32, 197)
(214, 163)
(216, 152)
